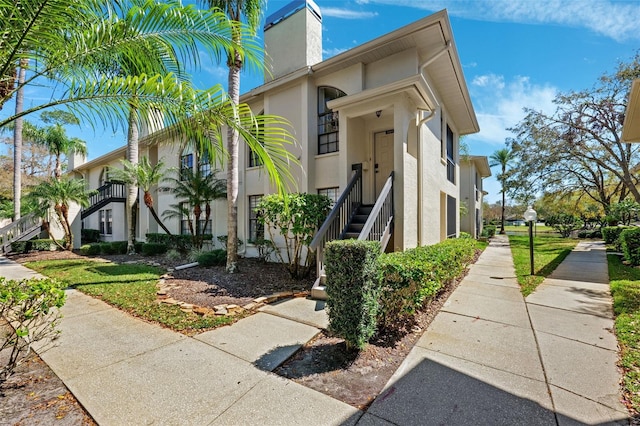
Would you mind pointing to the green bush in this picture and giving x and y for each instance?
(90, 249)
(217, 257)
(150, 249)
(412, 277)
(488, 231)
(630, 242)
(595, 233)
(119, 247)
(464, 235)
(89, 236)
(106, 248)
(564, 223)
(46, 244)
(182, 243)
(21, 246)
(137, 246)
(265, 248)
(353, 287)
(28, 305)
(611, 235)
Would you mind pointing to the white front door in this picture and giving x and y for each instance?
(383, 158)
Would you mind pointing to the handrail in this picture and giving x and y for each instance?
(14, 230)
(381, 216)
(339, 217)
(110, 191)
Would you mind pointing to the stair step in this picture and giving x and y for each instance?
(365, 209)
(355, 227)
(360, 218)
(318, 291)
(351, 235)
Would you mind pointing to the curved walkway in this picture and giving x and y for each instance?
(490, 357)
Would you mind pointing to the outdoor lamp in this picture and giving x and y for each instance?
(530, 216)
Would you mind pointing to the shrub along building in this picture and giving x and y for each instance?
(377, 128)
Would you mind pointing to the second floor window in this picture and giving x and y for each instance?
(186, 163)
(451, 165)
(328, 120)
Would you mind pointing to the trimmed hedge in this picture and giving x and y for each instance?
(412, 277)
(182, 243)
(21, 246)
(590, 234)
(216, 257)
(150, 249)
(88, 236)
(630, 242)
(353, 288)
(90, 249)
(611, 235)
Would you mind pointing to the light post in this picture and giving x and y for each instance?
(530, 216)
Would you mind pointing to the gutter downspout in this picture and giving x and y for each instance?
(421, 119)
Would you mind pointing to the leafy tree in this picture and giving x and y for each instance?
(251, 12)
(193, 190)
(145, 176)
(577, 148)
(57, 142)
(296, 217)
(502, 158)
(58, 194)
(564, 223)
(625, 211)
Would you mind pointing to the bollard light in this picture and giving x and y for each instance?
(530, 216)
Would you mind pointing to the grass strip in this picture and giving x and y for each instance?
(625, 289)
(548, 252)
(130, 287)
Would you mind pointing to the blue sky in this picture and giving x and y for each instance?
(515, 53)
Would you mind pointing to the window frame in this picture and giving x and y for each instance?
(451, 164)
(327, 190)
(255, 228)
(328, 121)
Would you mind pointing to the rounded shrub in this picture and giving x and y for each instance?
(217, 257)
(150, 249)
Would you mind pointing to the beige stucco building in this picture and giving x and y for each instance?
(473, 168)
(396, 104)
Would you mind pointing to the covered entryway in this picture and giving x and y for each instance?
(383, 159)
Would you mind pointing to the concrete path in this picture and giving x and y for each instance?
(491, 357)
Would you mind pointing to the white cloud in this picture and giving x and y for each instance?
(328, 53)
(499, 104)
(614, 19)
(336, 12)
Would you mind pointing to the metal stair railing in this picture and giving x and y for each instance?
(19, 229)
(108, 193)
(340, 215)
(379, 225)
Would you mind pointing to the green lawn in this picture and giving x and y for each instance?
(131, 288)
(548, 253)
(539, 229)
(625, 289)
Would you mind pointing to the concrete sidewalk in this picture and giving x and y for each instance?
(491, 357)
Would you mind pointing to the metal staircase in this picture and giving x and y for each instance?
(110, 192)
(22, 229)
(349, 218)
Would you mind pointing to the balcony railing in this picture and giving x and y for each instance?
(108, 193)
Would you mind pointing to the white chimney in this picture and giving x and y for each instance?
(292, 39)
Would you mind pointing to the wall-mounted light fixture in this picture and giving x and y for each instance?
(378, 113)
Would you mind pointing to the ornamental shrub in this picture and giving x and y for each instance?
(21, 246)
(182, 243)
(217, 257)
(150, 249)
(296, 217)
(106, 248)
(488, 231)
(89, 236)
(564, 223)
(28, 306)
(353, 288)
(119, 247)
(411, 278)
(611, 235)
(45, 244)
(630, 242)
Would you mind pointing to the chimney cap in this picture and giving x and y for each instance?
(289, 10)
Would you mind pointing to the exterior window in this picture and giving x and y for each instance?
(451, 165)
(204, 164)
(451, 217)
(184, 221)
(186, 163)
(478, 186)
(254, 160)
(256, 229)
(328, 120)
(106, 222)
(331, 193)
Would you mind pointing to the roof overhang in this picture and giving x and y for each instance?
(631, 126)
(482, 165)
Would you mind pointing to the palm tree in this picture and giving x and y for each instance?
(195, 190)
(58, 144)
(501, 158)
(17, 139)
(58, 194)
(251, 12)
(145, 176)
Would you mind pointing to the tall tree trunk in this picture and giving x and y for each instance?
(504, 170)
(17, 141)
(132, 188)
(232, 170)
